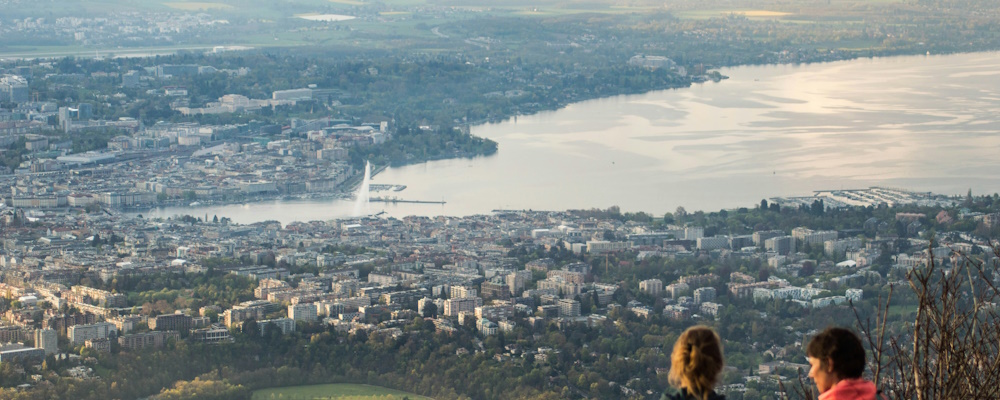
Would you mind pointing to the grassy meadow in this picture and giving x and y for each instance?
(334, 391)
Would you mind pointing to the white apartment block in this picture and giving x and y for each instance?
(604, 246)
(287, 325)
(809, 236)
(569, 308)
(462, 291)
(677, 289)
(713, 243)
(78, 334)
(48, 340)
(834, 247)
(704, 295)
(303, 312)
(455, 306)
(653, 287)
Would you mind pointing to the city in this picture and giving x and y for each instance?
(512, 273)
(825, 182)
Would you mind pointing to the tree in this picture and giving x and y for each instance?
(817, 208)
(430, 309)
(668, 218)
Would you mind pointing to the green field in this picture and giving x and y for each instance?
(338, 391)
(752, 14)
(901, 311)
(195, 6)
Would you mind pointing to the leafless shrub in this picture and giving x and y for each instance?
(951, 348)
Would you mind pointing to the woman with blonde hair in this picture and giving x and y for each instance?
(695, 364)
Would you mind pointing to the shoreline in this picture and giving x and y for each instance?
(353, 182)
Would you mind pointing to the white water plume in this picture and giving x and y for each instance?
(362, 205)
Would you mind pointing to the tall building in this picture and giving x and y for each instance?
(48, 340)
(839, 247)
(60, 323)
(782, 245)
(740, 241)
(11, 334)
(569, 308)
(171, 322)
(495, 312)
(101, 345)
(147, 339)
(495, 289)
(65, 118)
(462, 291)
(455, 306)
(704, 295)
(85, 111)
(653, 287)
(760, 237)
(712, 243)
(78, 334)
(677, 289)
(302, 312)
(694, 232)
(604, 246)
(286, 325)
(14, 88)
(249, 309)
(516, 281)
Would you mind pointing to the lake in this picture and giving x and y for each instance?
(924, 123)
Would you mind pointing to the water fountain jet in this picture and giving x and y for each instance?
(362, 204)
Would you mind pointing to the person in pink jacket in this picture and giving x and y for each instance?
(837, 359)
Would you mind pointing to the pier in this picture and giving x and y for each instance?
(395, 200)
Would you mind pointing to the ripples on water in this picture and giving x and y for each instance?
(926, 123)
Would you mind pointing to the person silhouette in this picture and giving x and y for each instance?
(695, 364)
(837, 361)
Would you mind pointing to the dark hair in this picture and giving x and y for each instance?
(842, 347)
(696, 361)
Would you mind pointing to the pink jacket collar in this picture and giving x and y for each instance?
(850, 389)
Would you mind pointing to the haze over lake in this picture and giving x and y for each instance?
(925, 123)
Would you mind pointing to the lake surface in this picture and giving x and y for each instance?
(925, 123)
